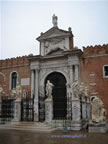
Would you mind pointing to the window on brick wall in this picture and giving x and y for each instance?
(105, 70)
(13, 80)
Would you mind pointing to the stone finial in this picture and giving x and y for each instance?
(69, 29)
(54, 20)
(41, 33)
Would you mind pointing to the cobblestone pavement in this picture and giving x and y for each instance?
(57, 137)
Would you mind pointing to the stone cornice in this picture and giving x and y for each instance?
(64, 54)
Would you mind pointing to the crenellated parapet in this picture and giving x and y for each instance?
(14, 61)
(95, 50)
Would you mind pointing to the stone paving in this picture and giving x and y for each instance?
(56, 137)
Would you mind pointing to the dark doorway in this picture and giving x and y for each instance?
(58, 94)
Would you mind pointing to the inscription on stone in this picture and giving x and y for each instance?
(25, 81)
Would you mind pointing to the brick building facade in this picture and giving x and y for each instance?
(94, 71)
(18, 66)
(58, 57)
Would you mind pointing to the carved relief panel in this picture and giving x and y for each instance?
(53, 44)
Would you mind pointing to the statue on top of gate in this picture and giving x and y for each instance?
(49, 87)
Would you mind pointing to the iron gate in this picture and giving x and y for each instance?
(27, 109)
(7, 109)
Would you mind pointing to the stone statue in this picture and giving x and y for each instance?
(13, 92)
(82, 91)
(24, 93)
(79, 90)
(18, 91)
(86, 91)
(54, 20)
(75, 89)
(49, 87)
(98, 113)
(1, 91)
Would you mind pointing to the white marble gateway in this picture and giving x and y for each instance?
(56, 56)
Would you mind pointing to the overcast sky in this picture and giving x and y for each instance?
(21, 22)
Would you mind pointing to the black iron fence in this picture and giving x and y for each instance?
(27, 108)
(6, 109)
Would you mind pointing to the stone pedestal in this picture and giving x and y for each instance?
(17, 111)
(48, 110)
(97, 127)
(76, 115)
(36, 112)
(84, 110)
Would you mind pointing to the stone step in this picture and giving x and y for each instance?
(33, 126)
(31, 129)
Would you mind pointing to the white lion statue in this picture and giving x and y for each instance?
(98, 113)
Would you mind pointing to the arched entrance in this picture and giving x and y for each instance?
(58, 94)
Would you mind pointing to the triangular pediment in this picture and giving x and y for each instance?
(53, 32)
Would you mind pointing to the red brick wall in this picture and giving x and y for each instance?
(19, 65)
(94, 58)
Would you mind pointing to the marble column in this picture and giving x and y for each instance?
(69, 93)
(36, 111)
(36, 83)
(32, 82)
(77, 73)
(71, 74)
(71, 79)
